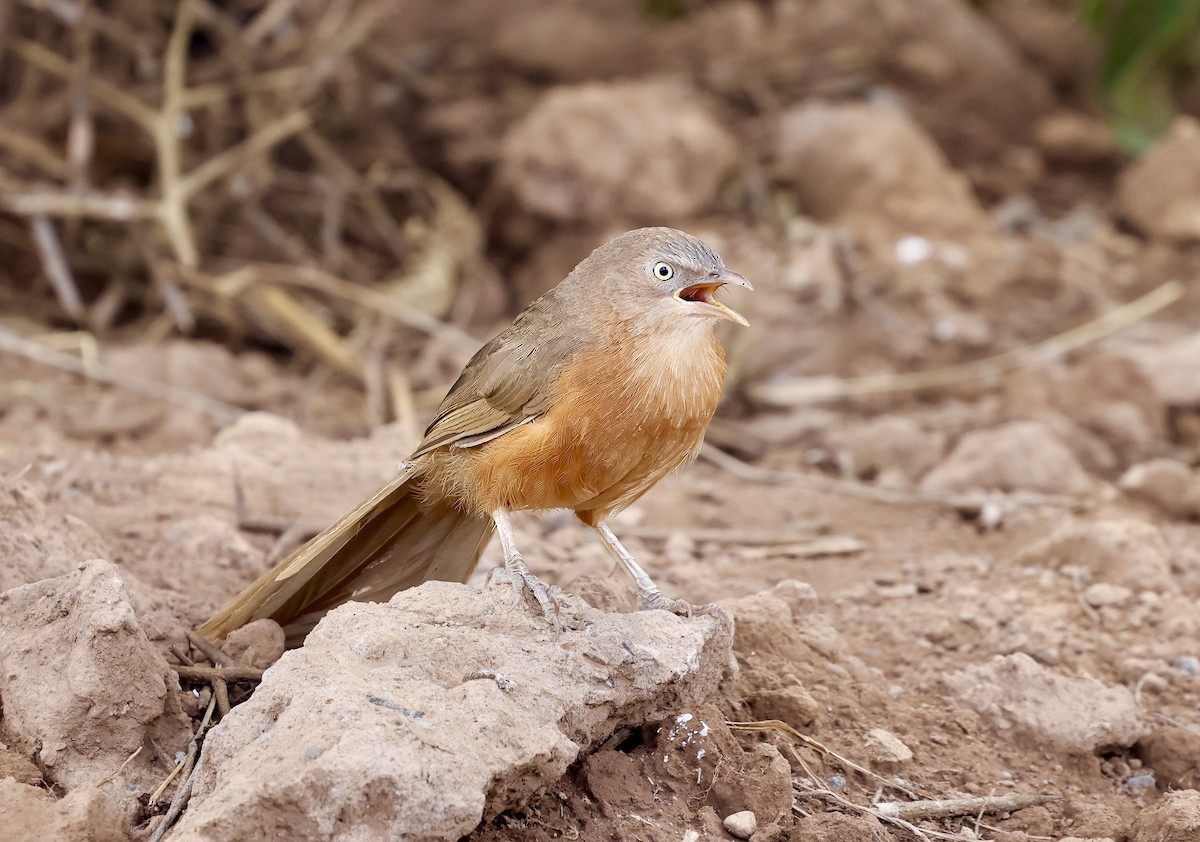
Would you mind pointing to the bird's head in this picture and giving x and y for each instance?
(672, 272)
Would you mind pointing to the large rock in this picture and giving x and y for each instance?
(1018, 456)
(873, 167)
(1159, 193)
(1123, 551)
(81, 682)
(1075, 714)
(648, 151)
(419, 718)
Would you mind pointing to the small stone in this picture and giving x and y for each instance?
(836, 782)
(1167, 483)
(1140, 782)
(1188, 663)
(257, 644)
(1104, 593)
(741, 825)
(886, 750)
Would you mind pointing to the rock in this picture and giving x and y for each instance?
(33, 814)
(428, 714)
(1107, 395)
(886, 750)
(868, 166)
(80, 680)
(1067, 137)
(39, 537)
(1176, 818)
(13, 764)
(257, 644)
(1159, 193)
(741, 825)
(1018, 456)
(1078, 715)
(1104, 594)
(982, 96)
(1173, 753)
(1055, 38)
(1171, 369)
(1167, 483)
(890, 441)
(1130, 553)
(645, 150)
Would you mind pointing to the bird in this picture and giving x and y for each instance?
(594, 393)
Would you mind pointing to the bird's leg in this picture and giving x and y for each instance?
(518, 570)
(651, 596)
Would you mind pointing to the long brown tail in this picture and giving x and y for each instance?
(388, 543)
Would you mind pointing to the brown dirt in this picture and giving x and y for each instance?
(904, 197)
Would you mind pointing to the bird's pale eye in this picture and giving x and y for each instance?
(663, 271)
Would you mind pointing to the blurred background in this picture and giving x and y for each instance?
(321, 207)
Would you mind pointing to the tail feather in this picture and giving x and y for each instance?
(390, 542)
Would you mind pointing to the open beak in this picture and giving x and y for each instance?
(703, 297)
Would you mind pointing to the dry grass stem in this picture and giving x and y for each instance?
(786, 393)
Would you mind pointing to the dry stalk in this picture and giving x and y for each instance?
(788, 393)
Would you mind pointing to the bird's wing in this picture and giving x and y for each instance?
(508, 383)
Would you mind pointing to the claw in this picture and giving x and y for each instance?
(549, 599)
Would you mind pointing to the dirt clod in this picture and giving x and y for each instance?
(1176, 818)
(83, 685)
(1157, 193)
(602, 150)
(1075, 714)
(1173, 753)
(1019, 456)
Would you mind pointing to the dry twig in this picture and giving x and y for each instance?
(786, 393)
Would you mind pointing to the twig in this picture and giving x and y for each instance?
(798, 533)
(54, 263)
(121, 768)
(214, 653)
(219, 410)
(786, 393)
(105, 92)
(177, 804)
(228, 674)
(165, 130)
(253, 146)
(953, 807)
(188, 767)
(783, 727)
(968, 503)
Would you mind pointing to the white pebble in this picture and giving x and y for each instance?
(742, 825)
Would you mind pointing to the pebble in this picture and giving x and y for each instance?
(1188, 663)
(1140, 782)
(742, 825)
(885, 749)
(836, 782)
(1106, 593)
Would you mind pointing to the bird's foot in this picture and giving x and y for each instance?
(654, 599)
(549, 598)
